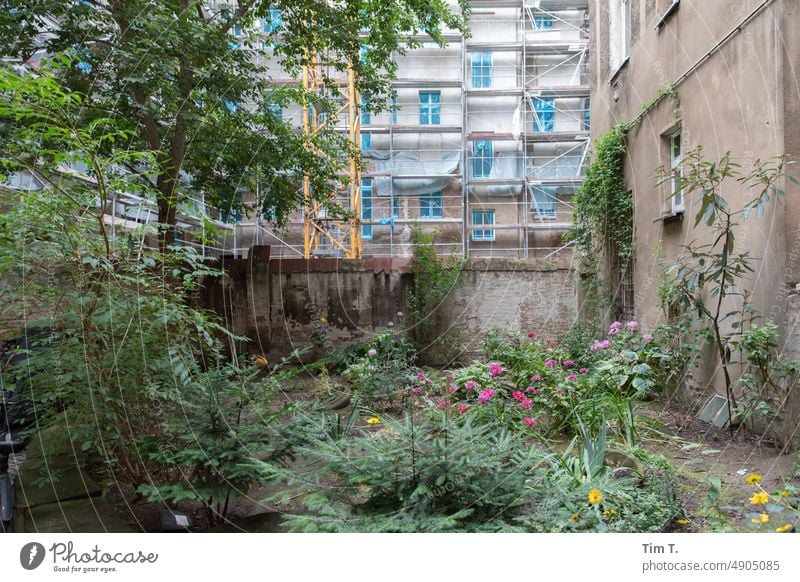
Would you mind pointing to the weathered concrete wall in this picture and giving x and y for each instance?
(325, 304)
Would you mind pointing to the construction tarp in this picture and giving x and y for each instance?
(429, 176)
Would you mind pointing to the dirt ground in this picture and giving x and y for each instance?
(698, 450)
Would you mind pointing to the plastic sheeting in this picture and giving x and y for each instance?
(408, 163)
(505, 166)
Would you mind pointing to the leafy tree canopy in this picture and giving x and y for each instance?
(193, 80)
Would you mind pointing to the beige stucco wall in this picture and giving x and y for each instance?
(743, 98)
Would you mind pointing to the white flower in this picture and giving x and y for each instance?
(372, 352)
(390, 324)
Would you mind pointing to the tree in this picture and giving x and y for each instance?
(190, 81)
(709, 277)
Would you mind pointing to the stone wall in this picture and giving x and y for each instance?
(326, 304)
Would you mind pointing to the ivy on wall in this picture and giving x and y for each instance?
(603, 206)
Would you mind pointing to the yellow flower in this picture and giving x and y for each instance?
(374, 420)
(323, 320)
(759, 498)
(752, 479)
(575, 518)
(763, 518)
(682, 521)
(784, 528)
(595, 496)
(609, 512)
(785, 493)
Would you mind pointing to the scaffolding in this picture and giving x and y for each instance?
(486, 142)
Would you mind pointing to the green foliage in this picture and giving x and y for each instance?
(415, 475)
(383, 368)
(172, 76)
(768, 377)
(222, 430)
(603, 206)
(435, 278)
(709, 278)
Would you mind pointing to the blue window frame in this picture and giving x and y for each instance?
(273, 22)
(430, 107)
(366, 141)
(544, 202)
(395, 206)
(366, 207)
(231, 208)
(395, 109)
(544, 115)
(482, 158)
(275, 109)
(586, 126)
(231, 106)
(430, 205)
(543, 22)
(365, 116)
(483, 218)
(481, 70)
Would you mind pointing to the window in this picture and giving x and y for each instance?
(430, 107)
(585, 124)
(430, 205)
(483, 218)
(542, 22)
(395, 109)
(481, 70)
(619, 36)
(365, 117)
(676, 170)
(275, 110)
(544, 114)
(366, 207)
(482, 158)
(395, 207)
(231, 208)
(544, 202)
(366, 141)
(273, 22)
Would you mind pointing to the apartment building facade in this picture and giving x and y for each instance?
(485, 143)
(731, 69)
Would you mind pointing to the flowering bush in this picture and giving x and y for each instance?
(383, 367)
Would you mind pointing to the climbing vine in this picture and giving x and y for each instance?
(603, 206)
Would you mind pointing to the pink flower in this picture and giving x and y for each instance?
(647, 337)
(449, 378)
(615, 325)
(471, 385)
(495, 369)
(613, 331)
(428, 381)
(537, 391)
(603, 345)
(442, 404)
(421, 375)
(532, 334)
(417, 390)
(572, 377)
(559, 391)
(485, 396)
(550, 363)
(567, 363)
(535, 378)
(518, 395)
(462, 408)
(583, 370)
(529, 421)
(527, 404)
(530, 389)
(551, 343)
(451, 389)
(632, 325)
(372, 352)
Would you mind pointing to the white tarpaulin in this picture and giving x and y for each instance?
(407, 163)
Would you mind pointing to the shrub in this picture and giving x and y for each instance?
(383, 370)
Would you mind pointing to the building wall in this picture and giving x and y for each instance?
(281, 304)
(742, 98)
